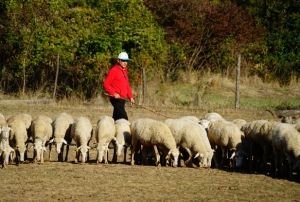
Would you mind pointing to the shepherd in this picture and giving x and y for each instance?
(117, 86)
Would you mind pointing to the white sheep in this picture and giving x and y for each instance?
(5, 149)
(105, 133)
(258, 136)
(286, 146)
(192, 137)
(61, 134)
(122, 137)
(156, 134)
(18, 138)
(190, 118)
(41, 131)
(81, 133)
(212, 116)
(26, 118)
(224, 135)
(239, 122)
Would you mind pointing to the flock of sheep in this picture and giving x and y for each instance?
(259, 145)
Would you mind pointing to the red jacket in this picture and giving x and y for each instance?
(117, 81)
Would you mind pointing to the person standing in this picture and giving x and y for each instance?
(117, 86)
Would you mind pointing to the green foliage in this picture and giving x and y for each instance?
(85, 35)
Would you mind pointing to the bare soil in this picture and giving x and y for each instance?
(66, 181)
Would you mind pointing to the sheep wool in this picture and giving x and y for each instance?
(153, 133)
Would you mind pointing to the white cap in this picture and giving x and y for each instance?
(123, 56)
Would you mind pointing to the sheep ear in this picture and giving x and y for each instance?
(196, 155)
(51, 141)
(64, 141)
(88, 147)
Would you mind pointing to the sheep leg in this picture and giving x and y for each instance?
(125, 154)
(67, 152)
(188, 162)
(157, 163)
(50, 147)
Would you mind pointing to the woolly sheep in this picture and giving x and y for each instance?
(212, 116)
(156, 134)
(41, 130)
(190, 118)
(239, 122)
(258, 135)
(26, 118)
(18, 138)
(5, 150)
(105, 133)
(286, 145)
(123, 137)
(81, 133)
(193, 138)
(225, 135)
(61, 134)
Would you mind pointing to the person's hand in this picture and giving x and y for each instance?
(116, 95)
(132, 102)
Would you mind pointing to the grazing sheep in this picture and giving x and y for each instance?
(61, 134)
(41, 130)
(123, 137)
(239, 122)
(156, 134)
(5, 150)
(190, 118)
(258, 135)
(18, 138)
(192, 137)
(105, 133)
(286, 146)
(26, 118)
(212, 116)
(226, 136)
(81, 133)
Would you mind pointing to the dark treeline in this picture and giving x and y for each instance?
(164, 36)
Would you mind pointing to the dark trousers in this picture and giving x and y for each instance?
(119, 108)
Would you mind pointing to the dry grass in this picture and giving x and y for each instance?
(57, 181)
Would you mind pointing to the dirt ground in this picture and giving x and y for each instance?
(57, 181)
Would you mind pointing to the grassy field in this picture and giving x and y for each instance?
(57, 181)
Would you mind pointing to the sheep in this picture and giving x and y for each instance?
(105, 133)
(258, 135)
(61, 134)
(81, 133)
(191, 136)
(286, 145)
(224, 135)
(190, 118)
(18, 138)
(5, 149)
(239, 122)
(26, 118)
(123, 137)
(156, 134)
(41, 130)
(212, 116)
